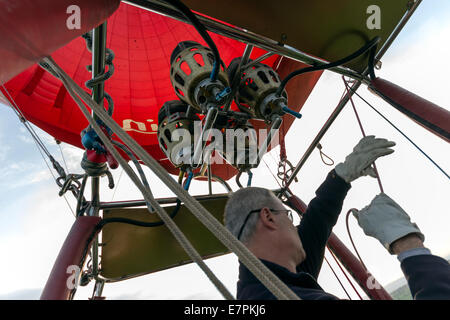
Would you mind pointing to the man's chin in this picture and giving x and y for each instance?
(302, 256)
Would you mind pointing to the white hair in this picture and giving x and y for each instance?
(239, 206)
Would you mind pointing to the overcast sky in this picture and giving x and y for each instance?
(34, 221)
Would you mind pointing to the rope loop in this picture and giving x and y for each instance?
(285, 174)
(323, 156)
(70, 182)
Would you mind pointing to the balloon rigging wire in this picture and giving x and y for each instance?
(37, 140)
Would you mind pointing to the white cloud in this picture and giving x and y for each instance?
(25, 139)
(23, 173)
(5, 151)
(26, 294)
(39, 176)
(45, 222)
(72, 156)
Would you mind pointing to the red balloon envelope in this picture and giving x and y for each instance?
(142, 42)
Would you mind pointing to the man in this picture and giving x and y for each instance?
(295, 254)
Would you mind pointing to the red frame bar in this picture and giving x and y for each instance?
(72, 253)
(427, 114)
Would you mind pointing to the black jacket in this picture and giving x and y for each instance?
(314, 231)
(428, 276)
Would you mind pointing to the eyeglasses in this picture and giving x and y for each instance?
(288, 213)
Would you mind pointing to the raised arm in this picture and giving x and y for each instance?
(318, 221)
(323, 211)
(428, 275)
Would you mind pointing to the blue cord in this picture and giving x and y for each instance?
(292, 112)
(213, 75)
(250, 177)
(223, 94)
(188, 181)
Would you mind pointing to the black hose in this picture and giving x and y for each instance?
(370, 45)
(238, 179)
(138, 223)
(172, 215)
(202, 31)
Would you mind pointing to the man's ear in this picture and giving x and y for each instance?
(266, 218)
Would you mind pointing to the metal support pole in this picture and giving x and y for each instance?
(190, 112)
(204, 168)
(98, 68)
(237, 75)
(322, 132)
(257, 60)
(413, 5)
(209, 178)
(98, 61)
(276, 124)
(98, 289)
(201, 142)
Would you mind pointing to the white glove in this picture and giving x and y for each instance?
(358, 163)
(386, 221)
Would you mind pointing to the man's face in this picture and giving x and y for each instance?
(288, 233)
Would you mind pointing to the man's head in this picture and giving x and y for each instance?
(259, 219)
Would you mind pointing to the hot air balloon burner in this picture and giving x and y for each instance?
(257, 95)
(241, 147)
(176, 133)
(256, 90)
(190, 72)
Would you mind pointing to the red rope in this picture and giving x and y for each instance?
(342, 269)
(351, 239)
(362, 130)
(374, 166)
(283, 155)
(342, 286)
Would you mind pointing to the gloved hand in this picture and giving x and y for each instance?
(358, 163)
(386, 221)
